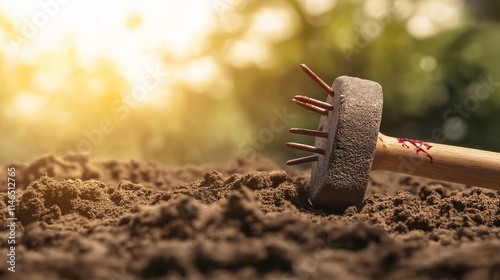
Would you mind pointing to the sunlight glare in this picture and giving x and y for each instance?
(268, 26)
(445, 13)
(47, 81)
(201, 73)
(131, 34)
(247, 52)
(274, 24)
(402, 9)
(317, 7)
(432, 17)
(376, 9)
(27, 105)
(421, 26)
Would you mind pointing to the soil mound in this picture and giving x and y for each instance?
(79, 219)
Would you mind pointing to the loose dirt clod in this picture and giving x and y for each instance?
(208, 222)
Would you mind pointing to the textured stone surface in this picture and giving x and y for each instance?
(340, 177)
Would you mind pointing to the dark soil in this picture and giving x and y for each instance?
(79, 219)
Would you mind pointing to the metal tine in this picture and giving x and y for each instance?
(310, 107)
(321, 104)
(310, 132)
(301, 160)
(317, 79)
(303, 147)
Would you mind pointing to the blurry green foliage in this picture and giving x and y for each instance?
(422, 79)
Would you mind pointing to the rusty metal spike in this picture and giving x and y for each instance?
(310, 107)
(301, 160)
(310, 132)
(317, 79)
(303, 147)
(321, 104)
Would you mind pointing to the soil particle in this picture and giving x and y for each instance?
(79, 219)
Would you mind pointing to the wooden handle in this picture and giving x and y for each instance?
(442, 162)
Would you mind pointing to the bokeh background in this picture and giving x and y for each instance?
(186, 82)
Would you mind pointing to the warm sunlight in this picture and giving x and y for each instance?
(134, 37)
(190, 81)
(432, 17)
(27, 105)
(317, 7)
(268, 26)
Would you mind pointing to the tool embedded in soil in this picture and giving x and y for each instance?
(348, 146)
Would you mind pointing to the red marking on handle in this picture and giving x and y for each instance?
(419, 146)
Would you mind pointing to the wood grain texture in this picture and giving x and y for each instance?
(443, 162)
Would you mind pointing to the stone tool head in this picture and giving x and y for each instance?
(348, 146)
(345, 143)
(339, 178)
